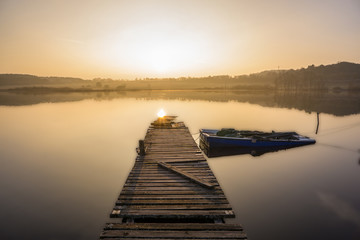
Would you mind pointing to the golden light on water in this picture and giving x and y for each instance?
(161, 113)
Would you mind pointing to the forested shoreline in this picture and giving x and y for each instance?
(343, 76)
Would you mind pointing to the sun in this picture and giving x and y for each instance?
(156, 52)
(167, 56)
(162, 59)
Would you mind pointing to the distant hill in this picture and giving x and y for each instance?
(343, 76)
(26, 79)
(340, 76)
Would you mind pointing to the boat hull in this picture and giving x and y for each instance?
(229, 151)
(220, 141)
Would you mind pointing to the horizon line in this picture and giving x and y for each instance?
(143, 78)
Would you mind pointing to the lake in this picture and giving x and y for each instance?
(63, 163)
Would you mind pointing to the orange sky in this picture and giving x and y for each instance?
(129, 39)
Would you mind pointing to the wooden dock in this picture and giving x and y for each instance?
(171, 192)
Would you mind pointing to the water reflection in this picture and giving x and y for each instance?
(63, 165)
(340, 208)
(339, 104)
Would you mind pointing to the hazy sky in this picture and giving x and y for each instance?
(128, 39)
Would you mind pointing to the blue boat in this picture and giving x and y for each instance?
(229, 137)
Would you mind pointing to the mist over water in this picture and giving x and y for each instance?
(63, 164)
(336, 103)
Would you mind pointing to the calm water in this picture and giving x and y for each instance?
(63, 165)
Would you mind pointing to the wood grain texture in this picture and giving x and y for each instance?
(171, 183)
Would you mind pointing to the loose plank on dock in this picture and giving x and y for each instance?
(171, 192)
(185, 174)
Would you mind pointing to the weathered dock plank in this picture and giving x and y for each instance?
(186, 202)
(174, 226)
(180, 207)
(173, 214)
(174, 234)
(164, 197)
(171, 192)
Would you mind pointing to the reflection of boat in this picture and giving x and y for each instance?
(229, 141)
